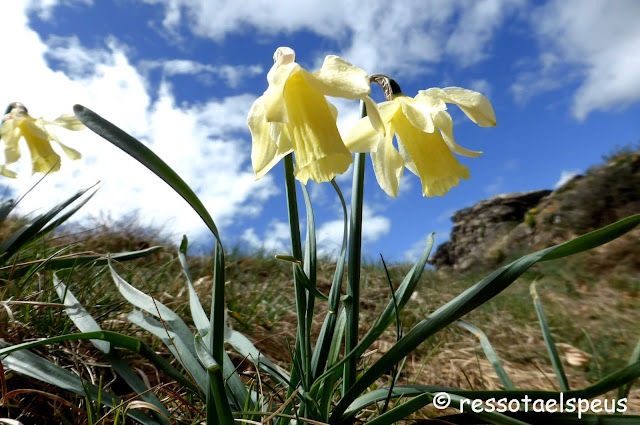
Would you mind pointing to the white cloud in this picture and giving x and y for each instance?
(276, 239)
(206, 144)
(330, 233)
(231, 75)
(44, 8)
(397, 38)
(594, 43)
(412, 254)
(565, 176)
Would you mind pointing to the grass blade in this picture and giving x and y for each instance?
(490, 353)
(556, 363)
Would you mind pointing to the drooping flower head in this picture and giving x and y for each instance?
(293, 115)
(17, 124)
(424, 133)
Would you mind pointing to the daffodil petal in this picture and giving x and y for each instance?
(443, 121)
(68, 121)
(473, 104)
(432, 98)
(10, 133)
(70, 152)
(418, 114)
(264, 152)
(7, 172)
(436, 166)
(362, 137)
(274, 105)
(334, 110)
(408, 161)
(374, 115)
(388, 166)
(338, 78)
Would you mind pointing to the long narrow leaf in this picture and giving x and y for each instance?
(35, 367)
(490, 353)
(146, 157)
(130, 343)
(85, 323)
(239, 391)
(30, 231)
(473, 297)
(556, 363)
(323, 344)
(176, 345)
(147, 303)
(222, 408)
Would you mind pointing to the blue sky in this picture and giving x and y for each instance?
(181, 75)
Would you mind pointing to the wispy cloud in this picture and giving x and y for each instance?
(423, 32)
(495, 187)
(232, 75)
(565, 176)
(592, 43)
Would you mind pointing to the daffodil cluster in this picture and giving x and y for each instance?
(17, 124)
(293, 115)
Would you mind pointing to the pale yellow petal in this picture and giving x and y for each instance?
(374, 115)
(443, 121)
(417, 113)
(264, 152)
(473, 104)
(406, 157)
(334, 110)
(362, 137)
(388, 166)
(436, 166)
(432, 98)
(11, 135)
(68, 121)
(7, 172)
(70, 152)
(274, 104)
(338, 78)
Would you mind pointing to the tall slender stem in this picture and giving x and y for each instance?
(302, 344)
(353, 270)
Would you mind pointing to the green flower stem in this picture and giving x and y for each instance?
(302, 355)
(353, 268)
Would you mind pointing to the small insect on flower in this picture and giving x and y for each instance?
(17, 124)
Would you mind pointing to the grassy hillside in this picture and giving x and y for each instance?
(592, 311)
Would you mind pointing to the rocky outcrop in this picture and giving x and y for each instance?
(481, 226)
(509, 225)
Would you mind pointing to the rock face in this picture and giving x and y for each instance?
(510, 225)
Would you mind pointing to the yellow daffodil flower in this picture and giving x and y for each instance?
(293, 115)
(423, 150)
(17, 124)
